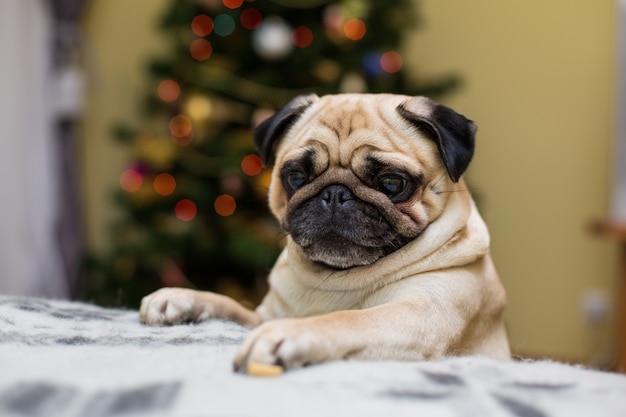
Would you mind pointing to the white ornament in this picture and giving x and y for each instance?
(272, 40)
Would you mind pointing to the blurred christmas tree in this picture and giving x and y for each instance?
(194, 194)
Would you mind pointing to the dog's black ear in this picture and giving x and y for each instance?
(271, 130)
(453, 133)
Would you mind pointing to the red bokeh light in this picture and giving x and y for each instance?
(202, 25)
(391, 62)
(251, 19)
(131, 180)
(232, 4)
(302, 36)
(185, 210)
(201, 49)
(168, 91)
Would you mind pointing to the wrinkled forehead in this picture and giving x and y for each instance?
(348, 131)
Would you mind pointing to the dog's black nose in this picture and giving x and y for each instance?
(336, 195)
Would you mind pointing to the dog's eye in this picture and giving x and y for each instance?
(391, 184)
(296, 179)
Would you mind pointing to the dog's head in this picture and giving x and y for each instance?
(356, 177)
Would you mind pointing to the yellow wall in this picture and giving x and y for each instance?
(120, 36)
(538, 80)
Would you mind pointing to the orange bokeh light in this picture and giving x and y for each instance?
(232, 4)
(251, 165)
(302, 36)
(131, 180)
(181, 130)
(391, 62)
(168, 90)
(202, 25)
(185, 210)
(225, 205)
(354, 29)
(201, 49)
(164, 184)
(180, 125)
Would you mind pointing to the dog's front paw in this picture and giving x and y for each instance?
(290, 343)
(169, 306)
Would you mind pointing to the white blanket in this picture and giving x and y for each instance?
(67, 359)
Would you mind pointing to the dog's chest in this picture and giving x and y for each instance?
(295, 292)
(292, 299)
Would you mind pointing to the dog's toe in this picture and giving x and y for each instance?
(166, 306)
(282, 342)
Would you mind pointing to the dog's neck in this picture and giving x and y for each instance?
(458, 237)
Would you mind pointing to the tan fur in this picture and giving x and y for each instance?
(438, 295)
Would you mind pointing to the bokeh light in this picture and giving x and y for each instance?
(225, 205)
(251, 165)
(172, 276)
(180, 125)
(201, 49)
(131, 180)
(334, 20)
(202, 25)
(391, 62)
(168, 90)
(302, 36)
(181, 130)
(272, 40)
(164, 184)
(354, 29)
(251, 19)
(199, 107)
(223, 25)
(185, 210)
(232, 4)
(371, 63)
(327, 70)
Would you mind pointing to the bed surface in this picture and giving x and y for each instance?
(60, 358)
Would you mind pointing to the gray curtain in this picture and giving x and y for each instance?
(66, 60)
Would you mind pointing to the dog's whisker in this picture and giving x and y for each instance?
(324, 280)
(452, 191)
(435, 183)
(280, 236)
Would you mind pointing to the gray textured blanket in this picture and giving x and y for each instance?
(72, 359)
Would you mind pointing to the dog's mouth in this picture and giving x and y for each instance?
(335, 251)
(342, 247)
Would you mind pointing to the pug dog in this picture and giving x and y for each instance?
(387, 257)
